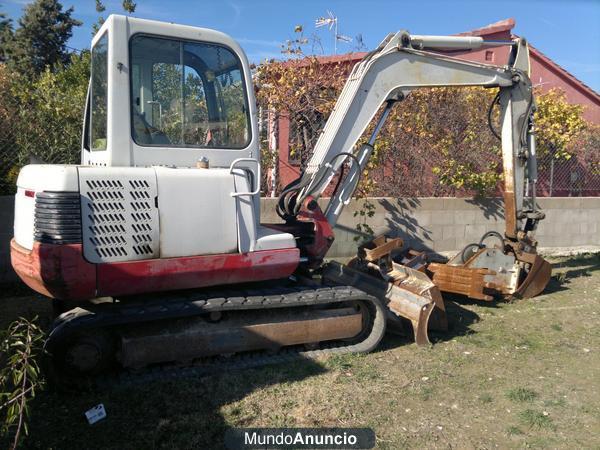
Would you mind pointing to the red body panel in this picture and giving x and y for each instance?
(195, 271)
(57, 271)
(60, 271)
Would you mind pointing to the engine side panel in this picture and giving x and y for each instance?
(197, 212)
(119, 214)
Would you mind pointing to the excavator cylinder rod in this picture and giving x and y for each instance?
(194, 338)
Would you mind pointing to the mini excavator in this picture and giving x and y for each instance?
(153, 249)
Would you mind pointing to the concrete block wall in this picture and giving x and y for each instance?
(430, 224)
(449, 224)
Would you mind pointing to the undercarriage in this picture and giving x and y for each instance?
(192, 328)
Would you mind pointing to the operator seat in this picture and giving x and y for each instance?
(144, 133)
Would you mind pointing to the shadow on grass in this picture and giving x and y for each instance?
(582, 266)
(184, 413)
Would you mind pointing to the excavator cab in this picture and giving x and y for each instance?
(167, 195)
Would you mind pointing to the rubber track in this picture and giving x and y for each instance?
(175, 306)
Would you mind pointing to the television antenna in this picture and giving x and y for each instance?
(331, 21)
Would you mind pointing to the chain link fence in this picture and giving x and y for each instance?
(412, 169)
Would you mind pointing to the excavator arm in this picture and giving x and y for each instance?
(387, 75)
(400, 64)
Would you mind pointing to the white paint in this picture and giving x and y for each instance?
(121, 149)
(270, 239)
(37, 178)
(24, 217)
(47, 177)
(197, 212)
(119, 223)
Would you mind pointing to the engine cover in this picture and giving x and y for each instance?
(119, 214)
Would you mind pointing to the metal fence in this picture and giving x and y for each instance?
(30, 133)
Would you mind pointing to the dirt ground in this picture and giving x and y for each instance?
(522, 374)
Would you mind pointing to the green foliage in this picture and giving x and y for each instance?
(558, 123)
(363, 214)
(536, 419)
(41, 39)
(453, 173)
(50, 118)
(20, 346)
(100, 6)
(6, 35)
(41, 117)
(586, 147)
(129, 6)
(443, 131)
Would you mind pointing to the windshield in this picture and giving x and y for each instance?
(99, 94)
(187, 94)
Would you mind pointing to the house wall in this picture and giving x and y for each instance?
(545, 74)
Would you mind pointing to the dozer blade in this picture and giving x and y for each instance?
(536, 280)
(411, 296)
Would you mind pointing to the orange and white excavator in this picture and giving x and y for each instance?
(153, 247)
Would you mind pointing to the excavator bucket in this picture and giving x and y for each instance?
(405, 288)
(536, 280)
(489, 272)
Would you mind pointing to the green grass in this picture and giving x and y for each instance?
(536, 419)
(514, 431)
(558, 403)
(521, 394)
(486, 398)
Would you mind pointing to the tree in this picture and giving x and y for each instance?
(128, 6)
(558, 122)
(6, 35)
(51, 114)
(436, 141)
(41, 38)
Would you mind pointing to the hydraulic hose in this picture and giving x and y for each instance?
(490, 112)
(488, 234)
(288, 205)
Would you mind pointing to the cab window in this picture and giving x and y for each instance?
(187, 94)
(99, 94)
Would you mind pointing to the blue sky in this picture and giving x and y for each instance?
(566, 31)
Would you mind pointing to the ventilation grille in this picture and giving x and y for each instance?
(57, 218)
(141, 204)
(119, 215)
